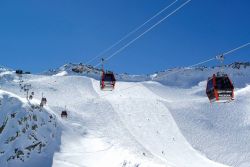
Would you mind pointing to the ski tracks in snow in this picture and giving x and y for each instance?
(151, 124)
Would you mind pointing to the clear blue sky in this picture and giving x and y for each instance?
(37, 35)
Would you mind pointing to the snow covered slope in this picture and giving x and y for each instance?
(28, 134)
(149, 121)
(144, 124)
(219, 131)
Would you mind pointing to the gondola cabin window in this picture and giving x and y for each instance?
(210, 84)
(223, 83)
(108, 77)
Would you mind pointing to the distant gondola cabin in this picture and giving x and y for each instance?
(30, 97)
(43, 101)
(19, 72)
(64, 114)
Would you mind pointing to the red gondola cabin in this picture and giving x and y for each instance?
(107, 81)
(220, 88)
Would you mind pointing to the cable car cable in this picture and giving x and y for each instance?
(233, 50)
(130, 33)
(194, 65)
(216, 57)
(142, 34)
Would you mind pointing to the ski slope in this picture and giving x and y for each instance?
(220, 131)
(144, 124)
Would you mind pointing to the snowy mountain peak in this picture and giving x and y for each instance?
(239, 65)
(90, 71)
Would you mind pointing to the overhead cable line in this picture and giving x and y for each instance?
(130, 33)
(142, 34)
(191, 66)
(238, 48)
(213, 58)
